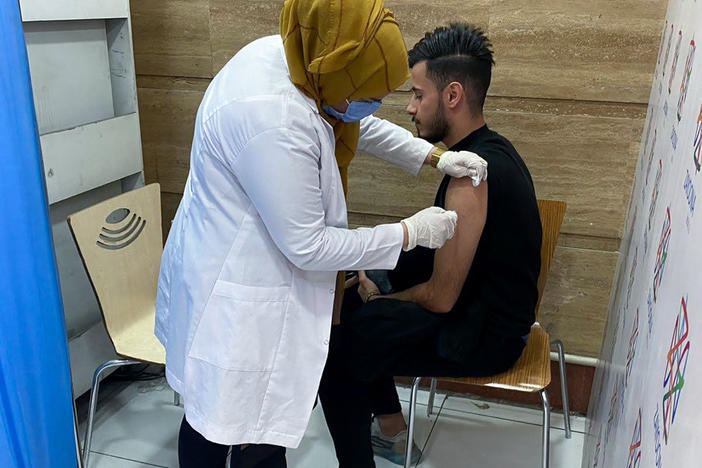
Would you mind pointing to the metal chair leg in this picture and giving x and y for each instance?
(79, 452)
(432, 393)
(564, 386)
(93, 402)
(545, 437)
(410, 429)
(176, 398)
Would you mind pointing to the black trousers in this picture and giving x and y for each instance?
(382, 339)
(194, 451)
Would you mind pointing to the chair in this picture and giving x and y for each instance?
(120, 243)
(532, 371)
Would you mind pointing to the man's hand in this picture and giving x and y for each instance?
(463, 164)
(366, 288)
(353, 281)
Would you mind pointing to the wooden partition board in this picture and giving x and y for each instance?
(586, 50)
(119, 241)
(569, 90)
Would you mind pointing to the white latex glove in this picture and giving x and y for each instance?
(431, 227)
(463, 164)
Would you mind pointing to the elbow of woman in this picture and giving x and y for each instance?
(303, 260)
(305, 256)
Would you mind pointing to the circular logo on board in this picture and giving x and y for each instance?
(117, 234)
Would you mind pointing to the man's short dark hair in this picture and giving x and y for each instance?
(460, 52)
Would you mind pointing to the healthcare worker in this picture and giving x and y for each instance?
(247, 279)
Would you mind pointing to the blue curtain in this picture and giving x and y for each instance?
(36, 415)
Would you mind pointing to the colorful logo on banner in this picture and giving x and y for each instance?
(660, 48)
(690, 193)
(661, 255)
(632, 220)
(669, 43)
(632, 276)
(613, 414)
(648, 128)
(657, 435)
(650, 155)
(673, 138)
(685, 84)
(598, 446)
(631, 353)
(697, 144)
(635, 447)
(649, 306)
(675, 368)
(654, 193)
(675, 61)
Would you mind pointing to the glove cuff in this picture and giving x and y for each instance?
(411, 235)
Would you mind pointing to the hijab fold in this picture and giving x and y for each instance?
(341, 50)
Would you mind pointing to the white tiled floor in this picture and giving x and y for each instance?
(137, 427)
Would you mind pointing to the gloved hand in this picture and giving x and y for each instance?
(431, 227)
(463, 164)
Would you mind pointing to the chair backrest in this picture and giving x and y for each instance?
(551, 213)
(120, 243)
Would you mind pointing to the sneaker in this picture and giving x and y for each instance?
(392, 448)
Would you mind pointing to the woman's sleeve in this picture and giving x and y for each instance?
(279, 169)
(393, 144)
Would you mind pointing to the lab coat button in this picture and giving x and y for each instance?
(326, 342)
(331, 291)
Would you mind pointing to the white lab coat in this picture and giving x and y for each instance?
(248, 272)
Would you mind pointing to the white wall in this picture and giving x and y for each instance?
(645, 401)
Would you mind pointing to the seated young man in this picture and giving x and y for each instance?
(464, 310)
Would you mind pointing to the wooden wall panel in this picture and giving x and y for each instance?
(574, 306)
(568, 91)
(585, 160)
(576, 49)
(167, 117)
(419, 17)
(235, 23)
(172, 38)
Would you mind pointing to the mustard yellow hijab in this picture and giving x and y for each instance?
(343, 49)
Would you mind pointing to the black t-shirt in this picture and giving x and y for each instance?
(500, 293)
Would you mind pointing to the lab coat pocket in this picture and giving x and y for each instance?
(241, 326)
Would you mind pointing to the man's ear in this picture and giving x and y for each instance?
(454, 94)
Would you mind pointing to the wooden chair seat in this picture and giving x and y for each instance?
(137, 340)
(531, 372)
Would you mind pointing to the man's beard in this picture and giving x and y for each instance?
(437, 128)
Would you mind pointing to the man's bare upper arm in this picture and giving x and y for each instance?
(452, 262)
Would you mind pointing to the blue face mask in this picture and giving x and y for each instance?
(356, 111)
